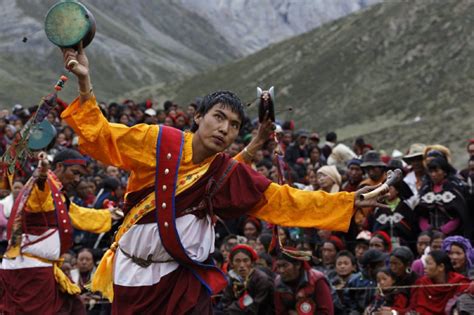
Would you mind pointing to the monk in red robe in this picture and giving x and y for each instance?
(30, 273)
(160, 261)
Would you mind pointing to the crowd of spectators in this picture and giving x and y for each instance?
(395, 258)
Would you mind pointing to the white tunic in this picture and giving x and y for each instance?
(197, 236)
(49, 248)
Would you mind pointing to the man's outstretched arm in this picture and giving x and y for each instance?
(113, 144)
(287, 206)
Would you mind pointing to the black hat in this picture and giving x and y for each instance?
(372, 256)
(354, 161)
(303, 133)
(372, 158)
(394, 164)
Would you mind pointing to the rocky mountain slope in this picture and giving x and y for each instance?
(399, 72)
(149, 41)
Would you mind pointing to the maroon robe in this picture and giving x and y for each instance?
(180, 292)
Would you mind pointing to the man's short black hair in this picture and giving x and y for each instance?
(331, 136)
(226, 98)
(264, 163)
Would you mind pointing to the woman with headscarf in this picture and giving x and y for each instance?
(442, 201)
(461, 253)
(329, 179)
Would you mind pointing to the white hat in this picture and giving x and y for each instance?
(278, 129)
(150, 112)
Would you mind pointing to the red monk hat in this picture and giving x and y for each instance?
(385, 238)
(243, 248)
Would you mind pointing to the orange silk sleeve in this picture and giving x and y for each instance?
(113, 144)
(129, 148)
(287, 206)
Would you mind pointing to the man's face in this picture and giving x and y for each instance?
(377, 243)
(471, 167)
(422, 242)
(286, 138)
(218, 128)
(231, 243)
(233, 149)
(344, 266)
(470, 149)
(328, 253)
(436, 244)
(250, 231)
(360, 249)
(70, 176)
(375, 172)
(242, 264)
(302, 140)
(263, 170)
(85, 261)
(82, 189)
(287, 271)
(190, 111)
(112, 171)
(17, 186)
(314, 155)
(313, 141)
(416, 164)
(355, 173)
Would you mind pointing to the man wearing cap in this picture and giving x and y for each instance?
(298, 150)
(414, 158)
(314, 139)
(355, 175)
(160, 260)
(250, 290)
(40, 229)
(374, 167)
(300, 289)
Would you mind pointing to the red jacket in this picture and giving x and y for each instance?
(433, 300)
(312, 289)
